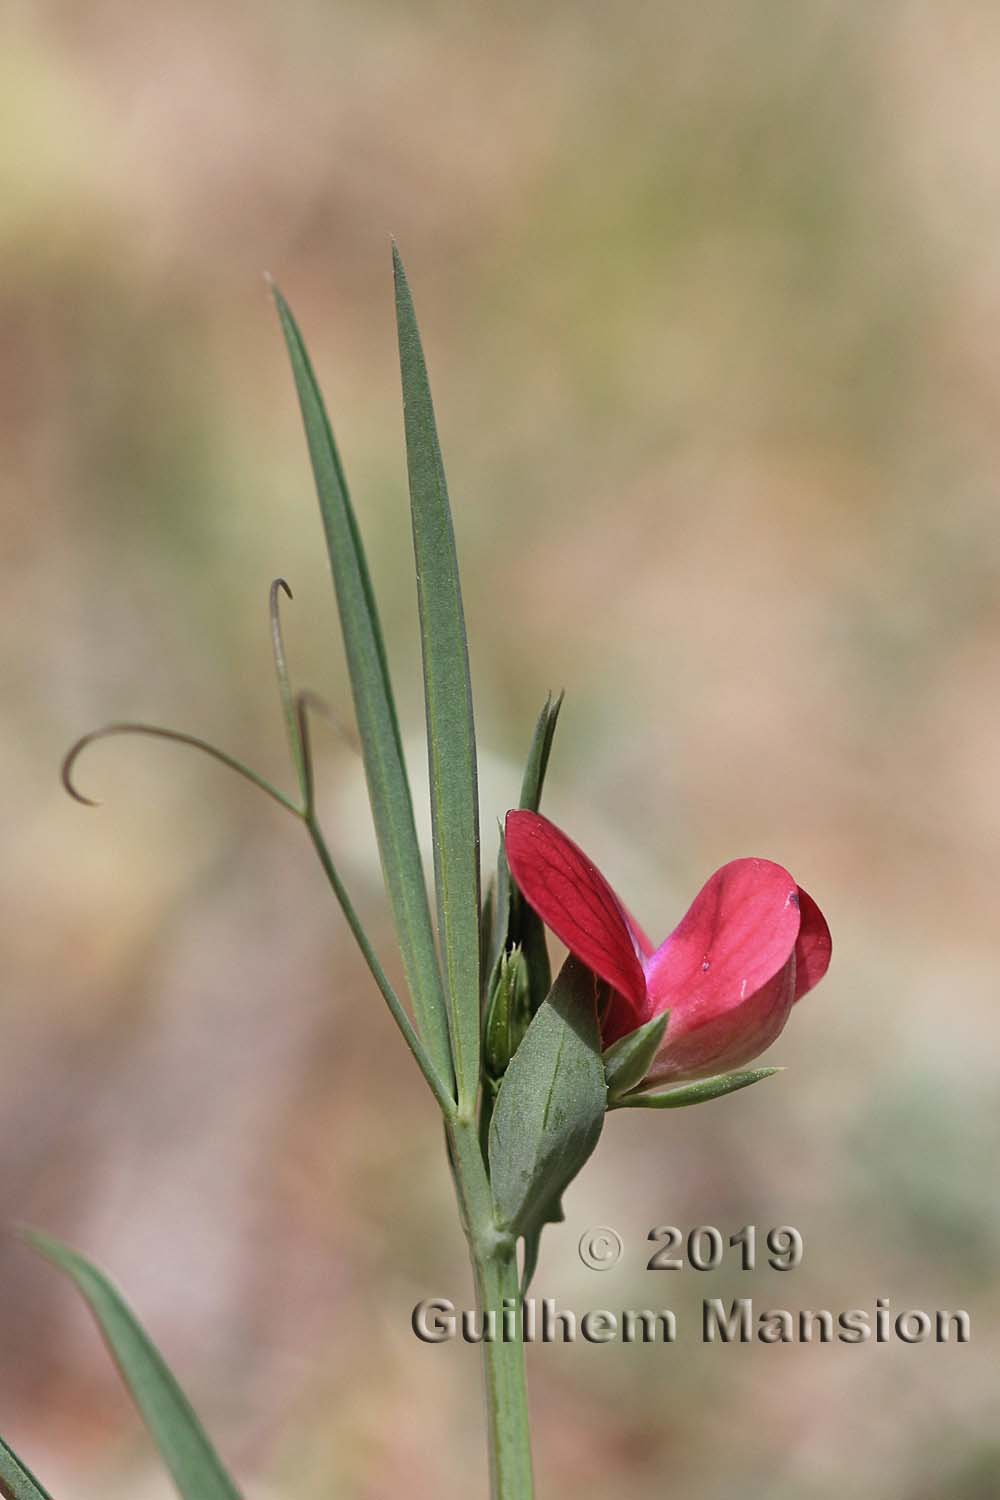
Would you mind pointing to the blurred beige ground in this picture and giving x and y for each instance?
(711, 299)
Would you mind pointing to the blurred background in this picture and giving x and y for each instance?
(711, 302)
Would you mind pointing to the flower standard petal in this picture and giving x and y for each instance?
(572, 897)
(740, 929)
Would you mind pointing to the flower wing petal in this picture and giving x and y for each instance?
(813, 945)
(729, 1039)
(572, 897)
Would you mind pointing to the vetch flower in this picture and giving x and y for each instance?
(752, 943)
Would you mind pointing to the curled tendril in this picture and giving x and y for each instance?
(304, 701)
(157, 732)
(278, 587)
(296, 708)
(289, 700)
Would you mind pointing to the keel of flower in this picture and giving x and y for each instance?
(751, 944)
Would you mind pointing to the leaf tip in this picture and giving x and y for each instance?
(43, 1244)
(399, 275)
(275, 291)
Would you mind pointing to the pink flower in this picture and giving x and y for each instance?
(752, 943)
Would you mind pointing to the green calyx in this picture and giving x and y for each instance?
(508, 1012)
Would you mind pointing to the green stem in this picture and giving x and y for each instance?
(494, 1266)
(399, 1015)
(509, 1431)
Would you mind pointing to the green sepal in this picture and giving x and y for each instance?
(507, 1014)
(627, 1061)
(695, 1093)
(194, 1465)
(550, 1108)
(16, 1480)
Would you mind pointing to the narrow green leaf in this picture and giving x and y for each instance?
(16, 1480)
(695, 1093)
(538, 755)
(531, 931)
(514, 920)
(451, 740)
(503, 913)
(551, 1104)
(628, 1060)
(530, 928)
(381, 744)
(487, 924)
(193, 1463)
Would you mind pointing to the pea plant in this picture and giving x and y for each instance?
(522, 1067)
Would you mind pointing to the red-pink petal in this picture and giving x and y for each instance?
(572, 897)
(739, 932)
(732, 1038)
(813, 946)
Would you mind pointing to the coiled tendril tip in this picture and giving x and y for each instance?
(66, 769)
(156, 731)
